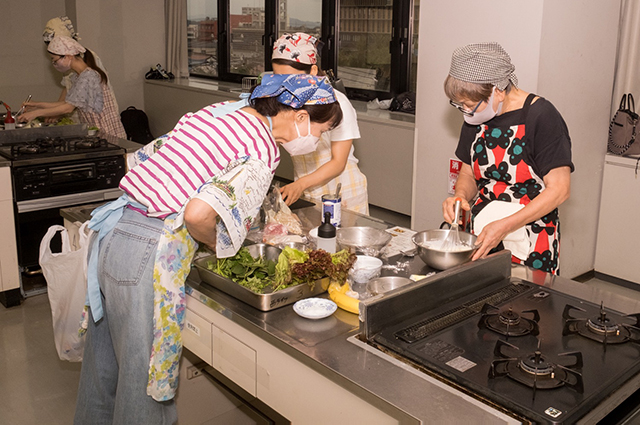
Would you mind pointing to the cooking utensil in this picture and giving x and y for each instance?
(21, 110)
(452, 241)
(338, 187)
(362, 240)
(428, 243)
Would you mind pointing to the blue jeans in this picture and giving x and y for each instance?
(113, 380)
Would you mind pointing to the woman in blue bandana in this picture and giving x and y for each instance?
(204, 185)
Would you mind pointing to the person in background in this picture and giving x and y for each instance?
(319, 171)
(62, 25)
(516, 155)
(205, 184)
(89, 93)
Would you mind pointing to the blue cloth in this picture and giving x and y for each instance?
(295, 90)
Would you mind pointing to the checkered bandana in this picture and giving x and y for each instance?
(483, 63)
(295, 90)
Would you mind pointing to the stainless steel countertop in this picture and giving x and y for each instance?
(330, 346)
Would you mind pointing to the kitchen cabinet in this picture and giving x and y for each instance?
(9, 271)
(291, 388)
(618, 230)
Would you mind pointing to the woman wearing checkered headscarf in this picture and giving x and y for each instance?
(516, 155)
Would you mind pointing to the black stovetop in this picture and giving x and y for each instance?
(532, 350)
(57, 147)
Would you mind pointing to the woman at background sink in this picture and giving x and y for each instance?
(89, 94)
(205, 184)
(516, 155)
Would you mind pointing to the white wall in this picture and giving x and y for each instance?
(25, 67)
(128, 36)
(564, 51)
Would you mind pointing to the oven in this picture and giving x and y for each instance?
(53, 172)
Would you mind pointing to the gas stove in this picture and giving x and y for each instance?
(534, 352)
(53, 168)
(54, 149)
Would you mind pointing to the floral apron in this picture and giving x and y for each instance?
(498, 160)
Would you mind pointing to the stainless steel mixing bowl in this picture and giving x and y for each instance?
(362, 240)
(428, 241)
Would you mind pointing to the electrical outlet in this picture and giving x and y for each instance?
(193, 372)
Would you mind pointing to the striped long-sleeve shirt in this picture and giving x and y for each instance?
(199, 147)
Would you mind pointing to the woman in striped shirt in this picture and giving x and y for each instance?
(205, 184)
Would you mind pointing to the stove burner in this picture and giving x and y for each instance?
(535, 371)
(507, 322)
(601, 328)
(28, 149)
(87, 143)
(536, 364)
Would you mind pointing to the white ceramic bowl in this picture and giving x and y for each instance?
(365, 268)
(315, 308)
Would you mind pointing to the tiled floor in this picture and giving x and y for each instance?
(37, 388)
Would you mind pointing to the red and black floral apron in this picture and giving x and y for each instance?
(498, 160)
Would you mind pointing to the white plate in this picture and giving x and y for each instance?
(315, 308)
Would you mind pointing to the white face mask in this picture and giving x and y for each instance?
(486, 114)
(62, 67)
(302, 145)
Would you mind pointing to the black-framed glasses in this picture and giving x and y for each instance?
(463, 109)
(56, 60)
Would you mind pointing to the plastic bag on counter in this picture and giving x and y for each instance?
(277, 212)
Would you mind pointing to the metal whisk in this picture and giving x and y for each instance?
(453, 237)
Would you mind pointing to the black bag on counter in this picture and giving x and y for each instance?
(623, 128)
(136, 124)
(158, 73)
(404, 102)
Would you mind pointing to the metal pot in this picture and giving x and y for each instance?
(428, 241)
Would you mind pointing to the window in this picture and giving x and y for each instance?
(371, 45)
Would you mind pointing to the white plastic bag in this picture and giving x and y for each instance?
(66, 275)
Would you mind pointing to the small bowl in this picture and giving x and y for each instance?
(264, 251)
(384, 284)
(300, 246)
(365, 268)
(315, 308)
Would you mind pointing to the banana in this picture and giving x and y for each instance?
(338, 294)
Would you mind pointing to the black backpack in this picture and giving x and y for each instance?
(136, 124)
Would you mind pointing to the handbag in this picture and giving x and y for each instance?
(622, 130)
(66, 276)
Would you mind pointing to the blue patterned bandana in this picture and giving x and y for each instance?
(295, 90)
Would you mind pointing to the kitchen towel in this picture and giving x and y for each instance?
(517, 241)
